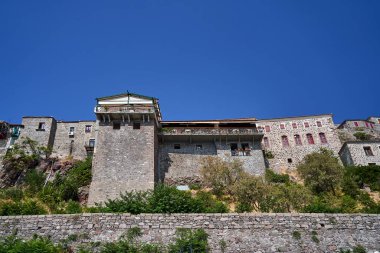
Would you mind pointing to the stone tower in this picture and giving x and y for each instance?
(125, 155)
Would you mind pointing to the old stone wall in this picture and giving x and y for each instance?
(287, 157)
(74, 145)
(306, 233)
(45, 137)
(181, 165)
(353, 153)
(124, 160)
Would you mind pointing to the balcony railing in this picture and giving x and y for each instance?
(124, 109)
(240, 152)
(210, 131)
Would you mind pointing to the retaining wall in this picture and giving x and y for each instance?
(241, 232)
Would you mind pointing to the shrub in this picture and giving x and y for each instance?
(361, 136)
(13, 193)
(189, 241)
(73, 207)
(221, 175)
(365, 175)
(37, 244)
(296, 235)
(272, 177)
(243, 208)
(209, 203)
(133, 202)
(35, 181)
(321, 171)
(166, 199)
(29, 207)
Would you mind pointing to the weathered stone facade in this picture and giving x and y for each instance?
(241, 232)
(73, 143)
(360, 153)
(287, 154)
(133, 148)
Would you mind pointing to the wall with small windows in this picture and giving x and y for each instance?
(290, 139)
(72, 138)
(40, 129)
(360, 153)
(179, 162)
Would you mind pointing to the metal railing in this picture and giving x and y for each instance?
(124, 109)
(209, 131)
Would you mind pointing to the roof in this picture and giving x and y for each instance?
(126, 94)
(213, 121)
(295, 117)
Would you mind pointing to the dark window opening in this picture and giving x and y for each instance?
(177, 146)
(234, 149)
(116, 125)
(310, 139)
(41, 126)
(285, 141)
(91, 143)
(290, 160)
(319, 124)
(297, 140)
(371, 164)
(266, 142)
(71, 147)
(368, 151)
(136, 125)
(87, 129)
(198, 147)
(322, 137)
(245, 149)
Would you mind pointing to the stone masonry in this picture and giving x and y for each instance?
(318, 233)
(354, 153)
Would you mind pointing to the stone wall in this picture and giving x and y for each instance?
(182, 165)
(288, 157)
(74, 145)
(44, 137)
(352, 153)
(124, 160)
(241, 232)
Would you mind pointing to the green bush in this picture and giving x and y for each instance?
(365, 175)
(37, 244)
(73, 207)
(35, 181)
(29, 207)
(133, 202)
(273, 177)
(189, 241)
(243, 208)
(362, 136)
(209, 203)
(13, 193)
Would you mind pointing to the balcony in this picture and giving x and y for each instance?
(241, 152)
(125, 109)
(210, 131)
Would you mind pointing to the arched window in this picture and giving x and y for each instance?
(310, 138)
(297, 139)
(285, 141)
(266, 142)
(322, 137)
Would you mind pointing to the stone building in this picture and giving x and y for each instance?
(133, 148)
(286, 141)
(360, 153)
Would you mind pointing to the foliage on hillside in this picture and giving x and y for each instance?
(186, 241)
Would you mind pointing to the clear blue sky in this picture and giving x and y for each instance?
(202, 59)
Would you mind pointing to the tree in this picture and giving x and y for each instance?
(321, 171)
(221, 175)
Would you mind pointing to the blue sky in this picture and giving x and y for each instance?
(202, 59)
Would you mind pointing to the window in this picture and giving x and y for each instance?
(116, 125)
(41, 126)
(310, 138)
(285, 141)
(356, 124)
(290, 160)
(72, 129)
(282, 126)
(322, 137)
(297, 139)
(319, 124)
(198, 147)
(368, 151)
(294, 125)
(366, 124)
(306, 124)
(266, 142)
(136, 125)
(177, 146)
(378, 121)
(87, 129)
(371, 125)
(371, 164)
(246, 149)
(234, 149)
(91, 143)
(267, 129)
